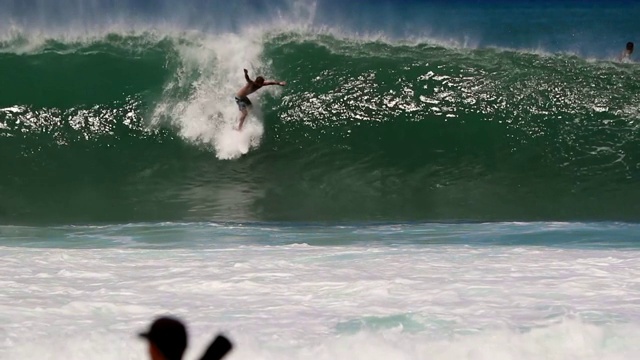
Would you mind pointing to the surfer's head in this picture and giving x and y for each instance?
(167, 339)
(259, 81)
(630, 47)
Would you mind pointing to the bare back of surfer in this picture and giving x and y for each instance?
(244, 104)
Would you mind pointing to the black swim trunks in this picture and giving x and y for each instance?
(243, 102)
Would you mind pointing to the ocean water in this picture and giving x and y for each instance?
(438, 180)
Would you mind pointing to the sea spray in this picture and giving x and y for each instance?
(213, 72)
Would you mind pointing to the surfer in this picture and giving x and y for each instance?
(252, 85)
(627, 52)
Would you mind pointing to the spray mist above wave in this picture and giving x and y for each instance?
(201, 15)
(547, 26)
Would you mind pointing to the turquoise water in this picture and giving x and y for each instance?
(229, 235)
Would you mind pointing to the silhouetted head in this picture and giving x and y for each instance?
(259, 80)
(630, 47)
(167, 337)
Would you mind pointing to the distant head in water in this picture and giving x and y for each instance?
(260, 80)
(626, 54)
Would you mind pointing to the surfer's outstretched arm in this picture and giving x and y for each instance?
(281, 83)
(246, 75)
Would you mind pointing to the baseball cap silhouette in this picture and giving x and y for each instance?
(169, 335)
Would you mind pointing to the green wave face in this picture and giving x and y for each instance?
(123, 129)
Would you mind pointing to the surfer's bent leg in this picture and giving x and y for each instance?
(243, 105)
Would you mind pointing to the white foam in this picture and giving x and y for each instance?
(212, 66)
(231, 143)
(324, 302)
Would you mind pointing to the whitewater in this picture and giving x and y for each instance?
(438, 180)
(485, 291)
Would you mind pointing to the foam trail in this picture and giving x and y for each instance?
(230, 143)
